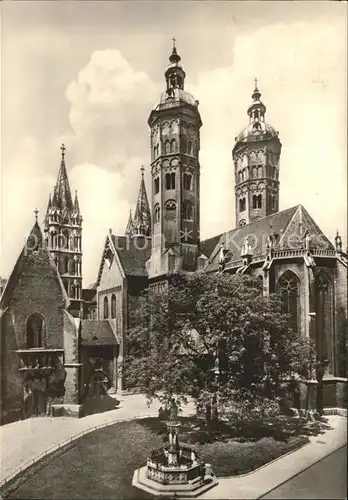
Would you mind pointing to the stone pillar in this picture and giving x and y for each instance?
(311, 399)
(72, 405)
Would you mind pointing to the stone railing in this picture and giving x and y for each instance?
(39, 359)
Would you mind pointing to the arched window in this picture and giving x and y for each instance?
(188, 182)
(106, 308)
(157, 185)
(170, 181)
(189, 148)
(254, 172)
(173, 146)
(257, 201)
(35, 334)
(289, 295)
(259, 171)
(113, 306)
(166, 147)
(242, 204)
(274, 203)
(157, 212)
(324, 319)
(187, 210)
(240, 177)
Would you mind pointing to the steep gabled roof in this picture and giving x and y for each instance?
(133, 253)
(130, 253)
(141, 224)
(96, 332)
(33, 243)
(207, 246)
(288, 227)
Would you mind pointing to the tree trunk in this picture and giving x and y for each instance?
(215, 413)
(208, 414)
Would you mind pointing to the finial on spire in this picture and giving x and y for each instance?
(36, 212)
(63, 149)
(142, 170)
(256, 94)
(255, 81)
(174, 40)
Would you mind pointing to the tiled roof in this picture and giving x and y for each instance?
(133, 253)
(284, 225)
(207, 246)
(95, 332)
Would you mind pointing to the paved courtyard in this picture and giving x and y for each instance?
(23, 441)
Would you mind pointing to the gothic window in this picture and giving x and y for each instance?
(240, 177)
(187, 210)
(157, 212)
(254, 172)
(157, 185)
(35, 327)
(170, 181)
(188, 182)
(242, 204)
(189, 148)
(166, 147)
(66, 265)
(274, 203)
(289, 296)
(324, 310)
(106, 308)
(244, 174)
(259, 171)
(172, 146)
(113, 306)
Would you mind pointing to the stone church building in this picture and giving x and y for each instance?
(62, 345)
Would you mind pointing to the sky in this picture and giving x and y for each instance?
(89, 73)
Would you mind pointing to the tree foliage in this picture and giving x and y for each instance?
(214, 338)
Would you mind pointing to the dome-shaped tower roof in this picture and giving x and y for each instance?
(258, 128)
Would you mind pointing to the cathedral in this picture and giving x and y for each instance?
(62, 344)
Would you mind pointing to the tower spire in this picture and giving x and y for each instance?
(62, 195)
(141, 223)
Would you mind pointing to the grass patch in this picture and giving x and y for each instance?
(101, 464)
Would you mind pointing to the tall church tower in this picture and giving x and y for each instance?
(63, 233)
(175, 142)
(256, 166)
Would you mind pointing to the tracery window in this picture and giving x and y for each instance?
(157, 185)
(289, 296)
(257, 201)
(242, 204)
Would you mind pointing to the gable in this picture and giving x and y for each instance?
(300, 224)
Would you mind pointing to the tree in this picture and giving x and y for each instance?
(215, 338)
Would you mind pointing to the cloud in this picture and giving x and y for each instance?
(301, 72)
(109, 106)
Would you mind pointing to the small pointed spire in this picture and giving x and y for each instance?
(142, 218)
(129, 227)
(62, 195)
(36, 212)
(76, 204)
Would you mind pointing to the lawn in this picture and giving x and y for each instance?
(101, 464)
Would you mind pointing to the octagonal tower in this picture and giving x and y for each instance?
(256, 156)
(174, 123)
